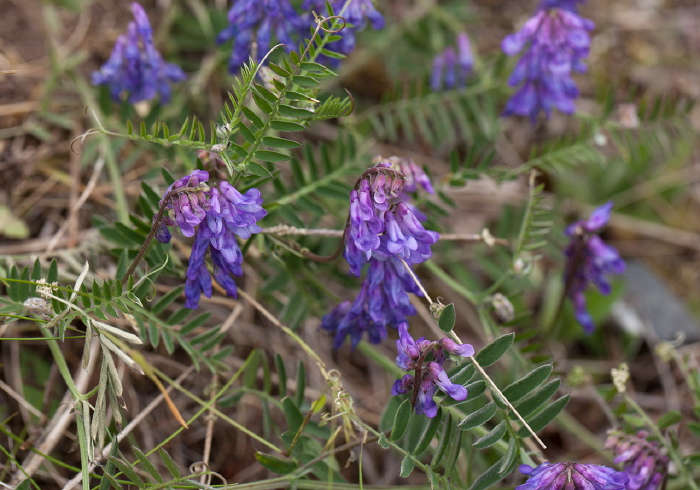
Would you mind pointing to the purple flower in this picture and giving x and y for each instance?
(215, 217)
(572, 476)
(555, 41)
(382, 230)
(426, 359)
(641, 458)
(135, 66)
(451, 68)
(589, 260)
(257, 20)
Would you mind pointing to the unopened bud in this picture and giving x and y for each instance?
(578, 377)
(505, 312)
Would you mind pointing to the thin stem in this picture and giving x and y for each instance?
(415, 279)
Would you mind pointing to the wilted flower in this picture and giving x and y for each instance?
(135, 66)
(451, 68)
(256, 21)
(641, 459)
(426, 359)
(215, 217)
(589, 260)
(557, 42)
(382, 231)
(572, 476)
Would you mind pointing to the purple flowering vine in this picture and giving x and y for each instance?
(555, 42)
(572, 476)
(426, 358)
(642, 459)
(588, 261)
(382, 231)
(215, 216)
(135, 65)
(452, 67)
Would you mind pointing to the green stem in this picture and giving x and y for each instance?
(68, 378)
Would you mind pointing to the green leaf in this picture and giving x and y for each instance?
(668, 419)
(287, 126)
(281, 375)
(401, 420)
(25, 485)
(305, 81)
(169, 463)
(275, 464)
(535, 400)
(275, 142)
(447, 318)
(262, 104)
(257, 169)
(294, 112)
(271, 156)
(694, 427)
(493, 351)
(293, 415)
(167, 298)
(383, 441)
(444, 442)
(428, 433)
(520, 388)
(508, 461)
(541, 420)
(253, 118)
(481, 416)
(147, 465)
(407, 466)
(128, 472)
(487, 478)
(634, 420)
(279, 70)
(492, 436)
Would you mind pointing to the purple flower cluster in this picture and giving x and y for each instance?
(257, 20)
(557, 42)
(451, 68)
(641, 459)
(572, 476)
(589, 260)
(382, 231)
(426, 359)
(215, 216)
(135, 66)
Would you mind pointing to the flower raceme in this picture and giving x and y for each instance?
(135, 66)
(426, 359)
(572, 476)
(589, 260)
(555, 42)
(642, 459)
(383, 231)
(451, 68)
(255, 21)
(215, 216)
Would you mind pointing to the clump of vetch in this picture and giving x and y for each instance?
(215, 216)
(572, 476)
(426, 358)
(641, 458)
(383, 232)
(588, 261)
(555, 42)
(452, 67)
(135, 65)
